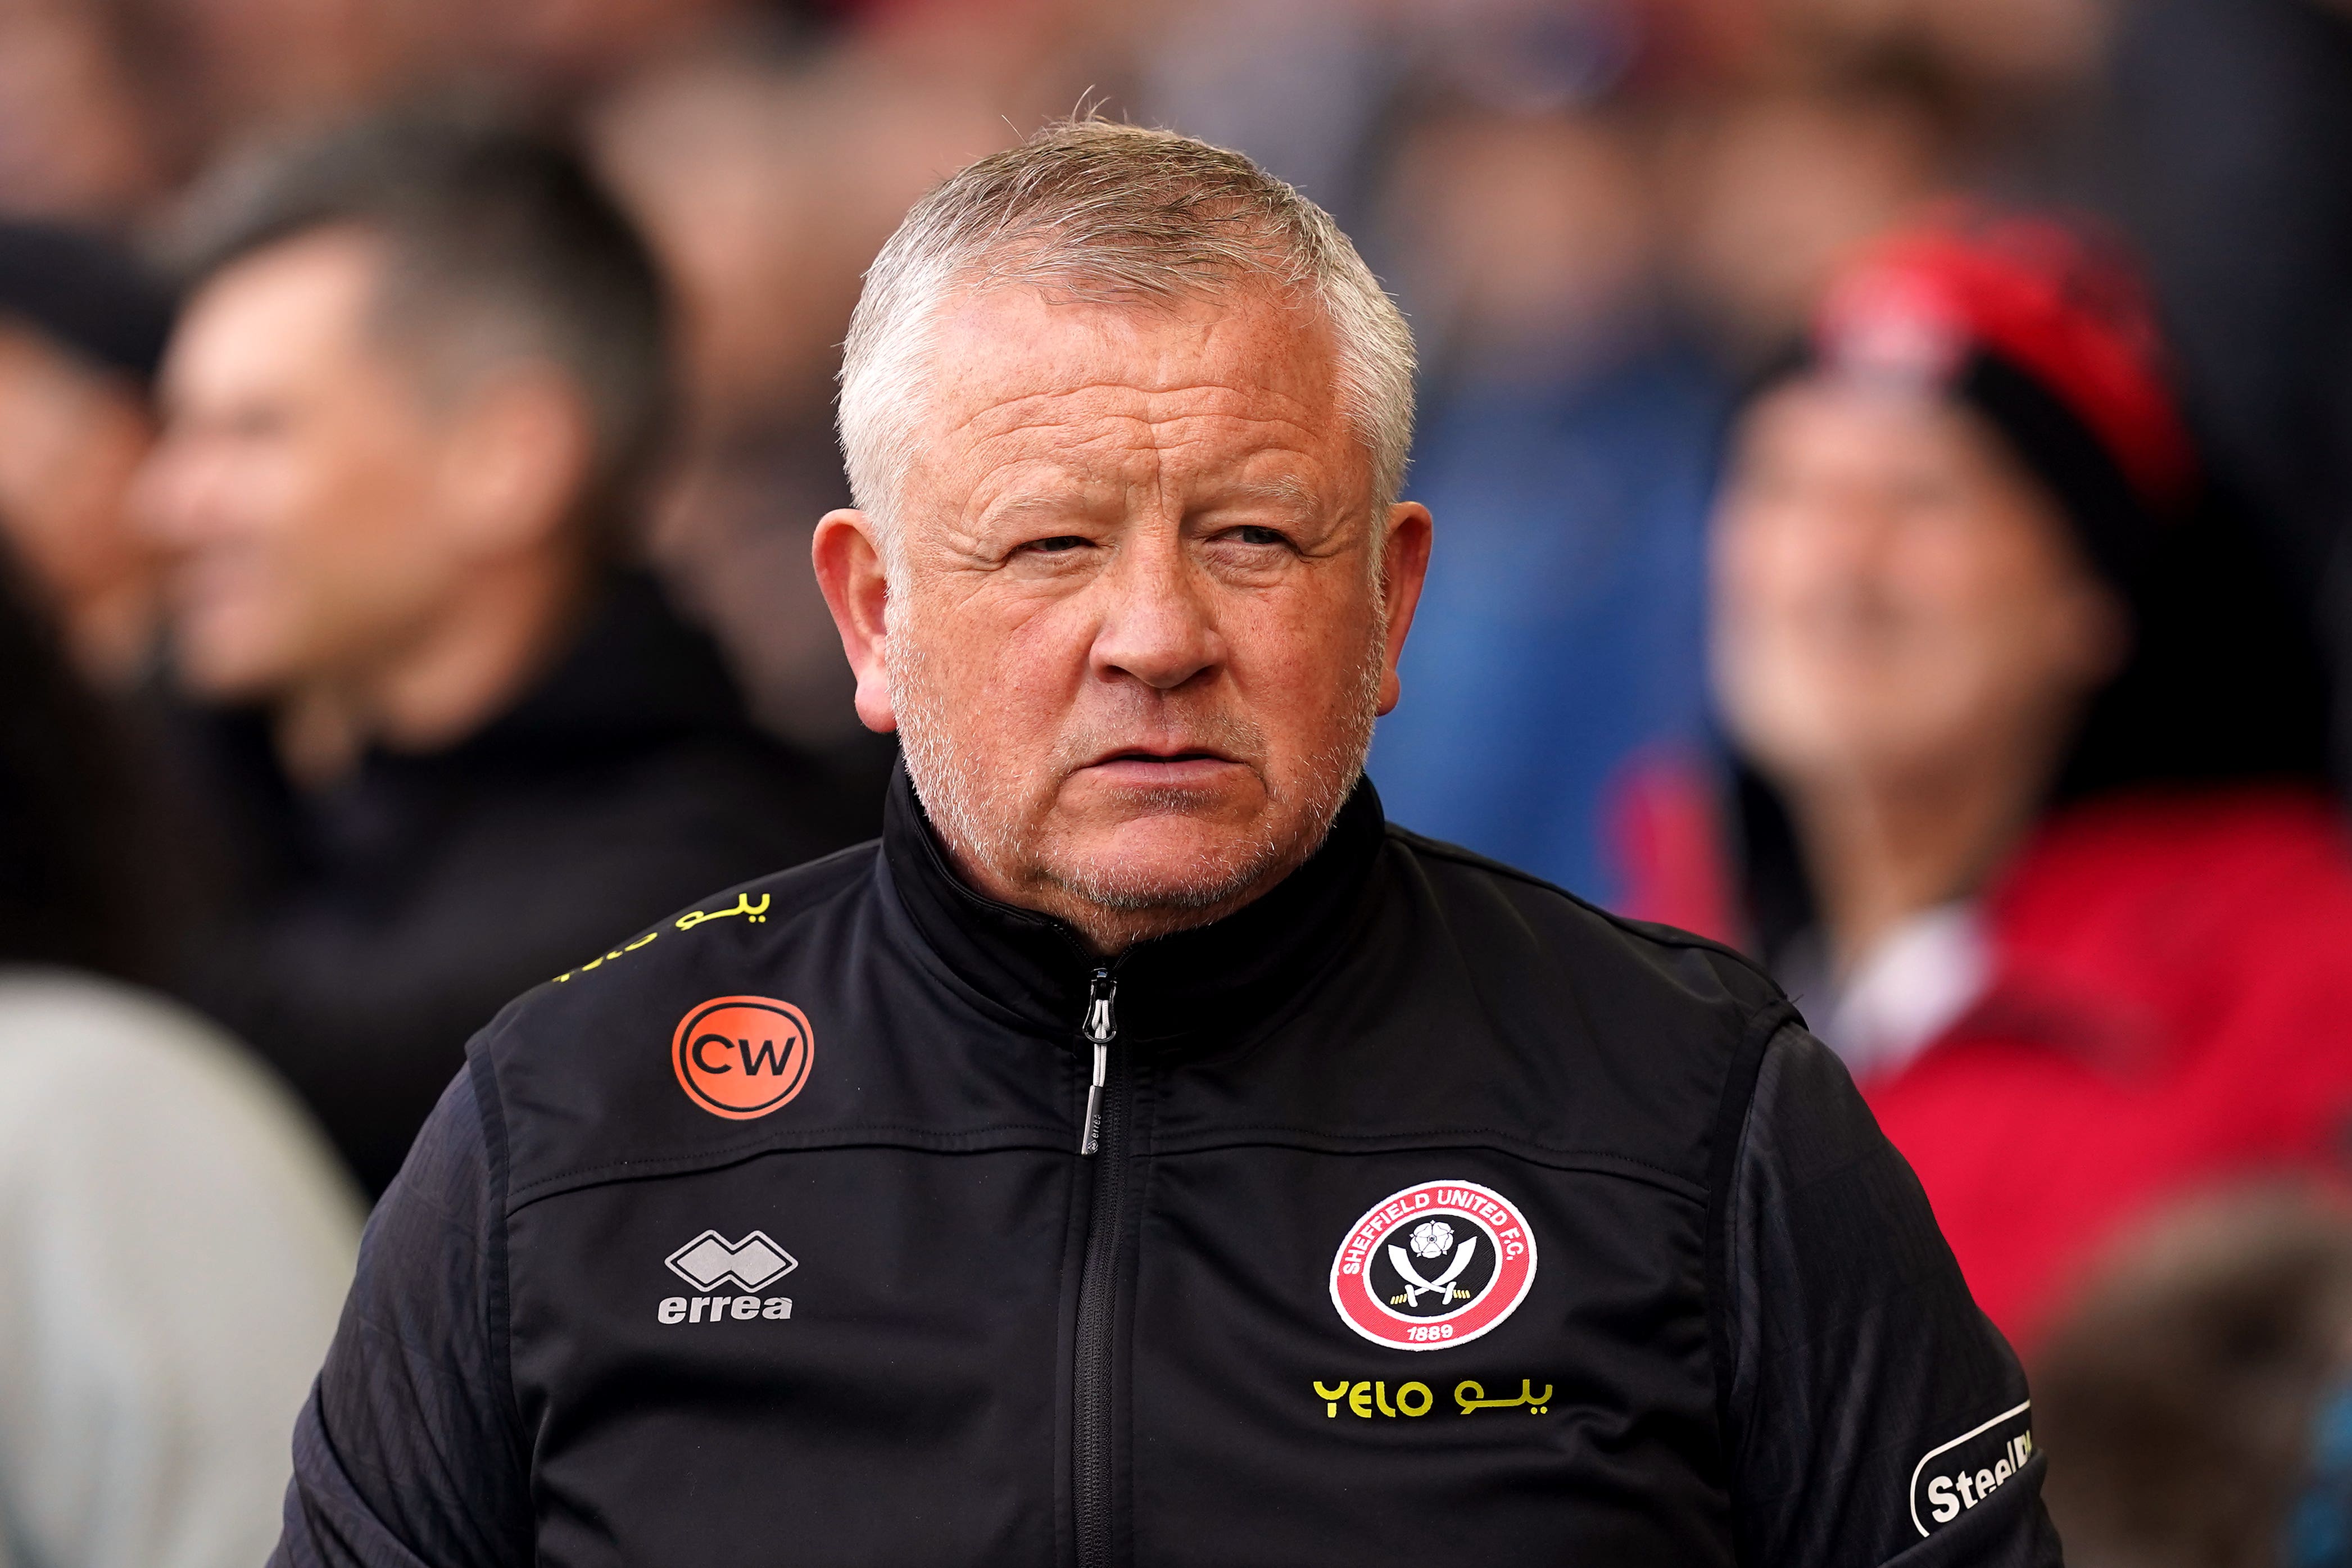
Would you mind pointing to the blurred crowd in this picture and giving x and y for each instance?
(1893, 471)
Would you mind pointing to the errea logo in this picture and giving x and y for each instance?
(711, 1260)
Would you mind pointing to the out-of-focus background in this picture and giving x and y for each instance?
(1610, 222)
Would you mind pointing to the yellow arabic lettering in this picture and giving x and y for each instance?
(743, 906)
(602, 958)
(1472, 1396)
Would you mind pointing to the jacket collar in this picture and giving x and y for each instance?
(1208, 981)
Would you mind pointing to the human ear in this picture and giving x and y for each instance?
(516, 460)
(848, 561)
(1405, 567)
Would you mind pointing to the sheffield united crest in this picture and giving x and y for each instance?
(1436, 1265)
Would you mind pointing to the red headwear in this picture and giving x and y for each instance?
(2063, 309)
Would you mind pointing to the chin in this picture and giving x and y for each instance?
(1164, 862)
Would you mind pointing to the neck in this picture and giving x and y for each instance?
(475, 656)
(1882, 848)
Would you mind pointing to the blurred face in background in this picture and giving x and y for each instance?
(1895, 598)
(75, 138)
(317, 503)
(72, 434)
(1136, 634)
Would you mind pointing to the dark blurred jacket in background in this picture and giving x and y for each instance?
(379, 923)
(2231, 139)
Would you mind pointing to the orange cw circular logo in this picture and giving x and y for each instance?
(742, 1057)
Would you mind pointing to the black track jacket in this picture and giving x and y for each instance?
(1435, 1216)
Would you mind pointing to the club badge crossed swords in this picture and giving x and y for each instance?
(1414, 1284)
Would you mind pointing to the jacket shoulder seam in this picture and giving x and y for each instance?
(1600, 1161)
(1734, 1110)
(489, 1111)
(987, 1139)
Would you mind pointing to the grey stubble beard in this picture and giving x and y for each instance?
(980, 813)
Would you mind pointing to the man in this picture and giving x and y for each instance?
(2020, 720)
(2197, 1395)
(1144, 1153)
(420, 377)
(80, 330)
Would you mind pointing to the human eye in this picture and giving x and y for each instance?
(1251, 540)
(1052, 553)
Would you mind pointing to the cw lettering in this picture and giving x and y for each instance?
(742, 1057)
(763, 1057)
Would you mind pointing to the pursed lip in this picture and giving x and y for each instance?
(1160, 756)
(1163, 767)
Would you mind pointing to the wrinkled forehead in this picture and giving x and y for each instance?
(1193, 395)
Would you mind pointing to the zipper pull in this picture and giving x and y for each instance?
(1100, 1027)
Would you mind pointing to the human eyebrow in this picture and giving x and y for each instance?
(1009, 522)
(1014, 508)
(1287, 493)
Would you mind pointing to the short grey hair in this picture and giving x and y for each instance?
(1096, 211)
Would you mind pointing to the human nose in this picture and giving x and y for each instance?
(1840, 539)
(1158, 626)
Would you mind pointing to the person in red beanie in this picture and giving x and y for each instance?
(2023, 806)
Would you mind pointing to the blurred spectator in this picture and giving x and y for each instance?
(2017, 50)
(2197, 1404)
(1565, 442)
(1776, 185)
(81, 327)
(2006, 680)
(79, 141)
(570, 46)
(1306, 87)
(2229, 124)
(764, 194)
(455, 748)
(766, 179)
(226, 72)
(175, 1238)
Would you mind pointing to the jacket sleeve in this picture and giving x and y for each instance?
(410, 1452)
(1873, 1415)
